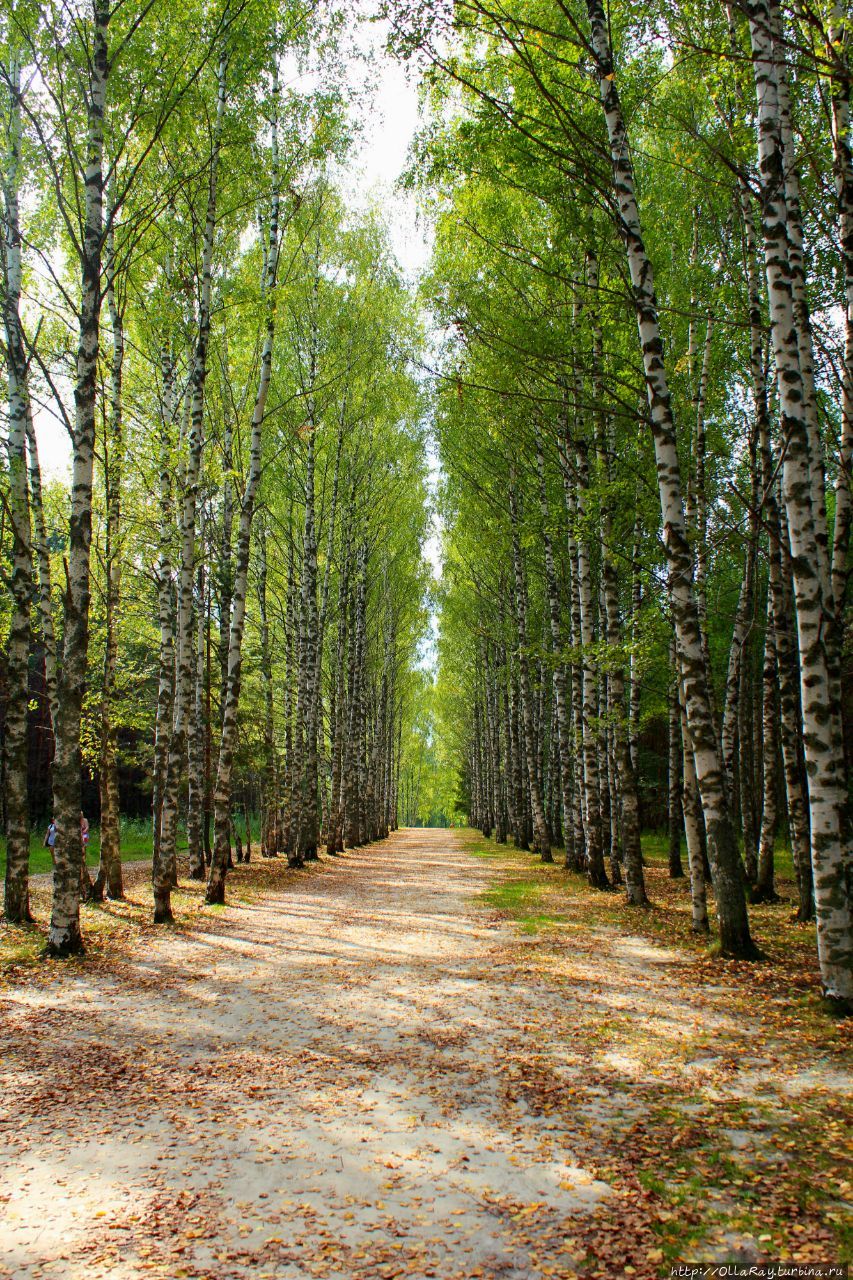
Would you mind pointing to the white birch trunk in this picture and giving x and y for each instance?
(797, 283)
(785, 639)
(109, 877)
(822, 730)
(543, 843)
(735, 937)
(564, 743)
(692, 826)
(164, 867)
(842, 147)
(17, 894)
(64, 937)
(195, 753)
(42, 555)
(215, 892)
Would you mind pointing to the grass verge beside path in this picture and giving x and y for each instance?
(114, 931)
(731, 1077)
(135, 844)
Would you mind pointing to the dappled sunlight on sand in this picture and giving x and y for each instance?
(358, 1072)
(327, 1059)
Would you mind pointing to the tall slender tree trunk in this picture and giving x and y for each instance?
(796, 279)
(564, 740)
(785, 638)
(336, 836)
(635, 890)
(164, 871)
(528, 739)
(109, 875)
(494, 730)
(351, 778)
(735, 938)
(310, 650)
(732, 737)
(626, 804)
(195, 752)
(225, 576)
(842, 147)
(64, 937)
(692, 826)
(746, 770)
(634, 696)
(593, 816)
(675, 819)
(17, 892)
(765, 890)
(822, 729)
(269, 777)
(166, 611)
(700, 496)
(509, 746)
(42, 554)
(577, 860)
(215, 892)
(791, 719)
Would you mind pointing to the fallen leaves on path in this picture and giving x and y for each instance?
(366, 1070)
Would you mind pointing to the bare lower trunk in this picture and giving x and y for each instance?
(497, 763)
(64, 937)
(308, 667)
(785, 637)
(165, 870)
(675, 821)
(215, 892)
(109, 876)
(247, 818)
(693, 832)
(543, 843)
(746, 771)
(166, 614)
(336, 833)
(791, 719)
(624, 805)
(635, 890)
(350, 781)
(593, 824)
(42, 552)
(195, 763)
(634, 678)
(765, 890)
(269, 777)
(509, 746)
(564, 743)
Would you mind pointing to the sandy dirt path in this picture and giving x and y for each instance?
(322, 1083)
(310, 1089)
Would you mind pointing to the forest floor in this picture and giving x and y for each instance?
(433, 1057)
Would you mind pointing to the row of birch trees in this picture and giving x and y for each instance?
(644, 279)
(234, 578)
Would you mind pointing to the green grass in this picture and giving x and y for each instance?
(656, 850)
(484, 851)
(522, 900)
(135, 846)
(135, 843)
